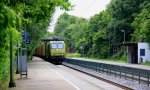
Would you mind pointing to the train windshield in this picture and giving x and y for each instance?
(54, 46)
(59, 46)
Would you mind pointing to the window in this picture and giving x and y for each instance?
(59, 46)
(142, 52)
(53, 46)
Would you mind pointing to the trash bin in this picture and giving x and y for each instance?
(141, 60)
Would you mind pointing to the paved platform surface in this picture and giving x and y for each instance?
(41, 77)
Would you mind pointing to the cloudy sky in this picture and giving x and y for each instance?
(83, 8)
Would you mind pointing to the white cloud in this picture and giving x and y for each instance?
(88, 8)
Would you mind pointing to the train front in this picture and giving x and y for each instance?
(57, 51)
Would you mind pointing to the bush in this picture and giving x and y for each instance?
(72, 55)
(8, 25)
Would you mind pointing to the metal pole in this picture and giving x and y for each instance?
(11, 83)
(17, 70)
(124, 39)
(139, 78)
(148, 79)
(109, 46)
(108, 42)
(124, 36)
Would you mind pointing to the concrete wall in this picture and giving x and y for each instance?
(147, 52)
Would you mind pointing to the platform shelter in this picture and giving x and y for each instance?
(138, 52)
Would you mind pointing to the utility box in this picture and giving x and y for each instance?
(22, 62)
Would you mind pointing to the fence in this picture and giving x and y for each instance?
(139, 75)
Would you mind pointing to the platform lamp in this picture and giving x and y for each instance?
(124, 38)
(124, 35)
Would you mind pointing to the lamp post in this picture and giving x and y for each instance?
(124, 35)
(124, 39)
(108, 36)
(12, 82)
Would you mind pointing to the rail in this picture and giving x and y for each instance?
(139, 75)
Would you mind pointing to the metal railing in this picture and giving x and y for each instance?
(139, 75)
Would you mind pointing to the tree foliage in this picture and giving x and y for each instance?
(142, 24)
(9, 23)
(16, 16)
(71, 28)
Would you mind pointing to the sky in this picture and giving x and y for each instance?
(83, 8)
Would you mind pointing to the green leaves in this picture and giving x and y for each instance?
(2, 20)
(36, 16)
(32, 16)
(141, 24)
(72, 30)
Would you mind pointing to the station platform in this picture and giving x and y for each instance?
(138, 66)
(41, 77)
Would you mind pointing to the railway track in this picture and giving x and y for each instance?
(100, 78)
(131, 77)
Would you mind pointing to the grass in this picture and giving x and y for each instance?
(109, 60)
(73, 55)
(77, 55)
(146, 63)
(4, 85)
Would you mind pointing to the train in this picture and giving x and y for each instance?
(53, 50)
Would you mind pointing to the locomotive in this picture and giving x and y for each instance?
(53, 50)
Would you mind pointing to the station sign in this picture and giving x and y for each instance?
(27, 41)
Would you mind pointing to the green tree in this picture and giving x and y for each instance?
(71, 29)
(102, 33)
(141, 24)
